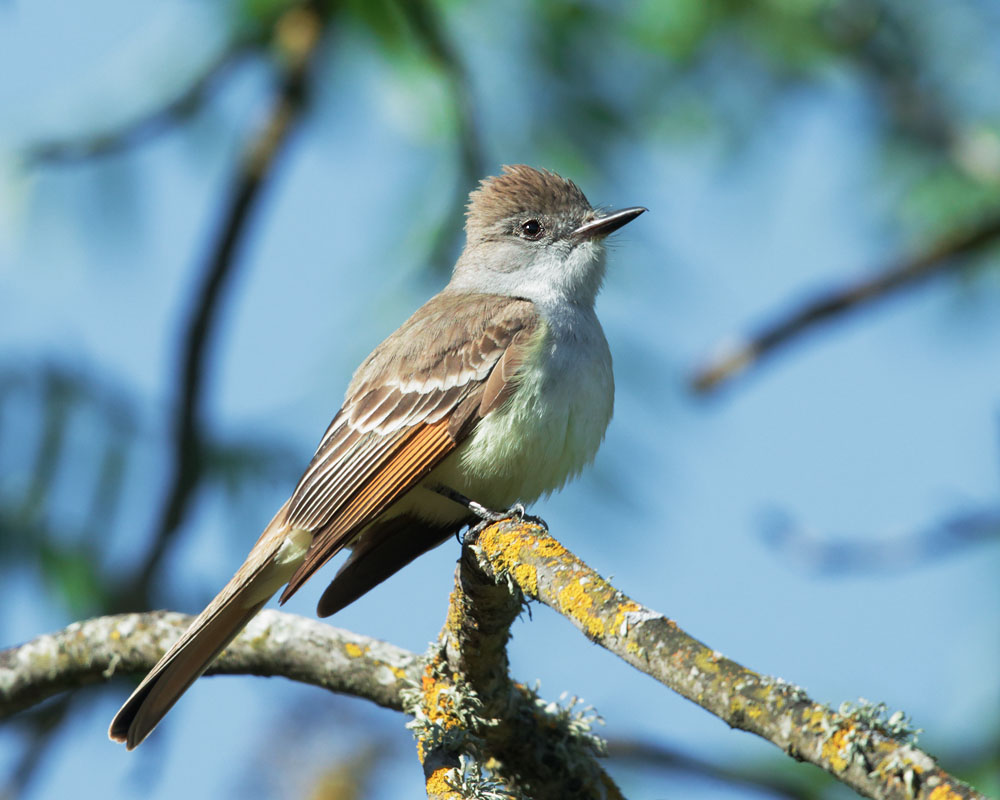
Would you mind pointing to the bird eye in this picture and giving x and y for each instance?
(531, 229)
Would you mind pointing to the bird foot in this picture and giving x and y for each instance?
(488, 516)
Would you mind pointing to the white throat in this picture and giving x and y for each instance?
(562, 273)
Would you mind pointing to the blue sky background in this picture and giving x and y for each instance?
(874, 428)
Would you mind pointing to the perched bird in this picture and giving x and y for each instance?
(496, 391)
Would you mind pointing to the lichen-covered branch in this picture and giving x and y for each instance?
(949, 253)
(857, 745)
(274, 643)
(463, 690)
(475, 634)
(479, 733)
(448, 723)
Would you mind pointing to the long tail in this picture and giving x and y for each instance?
(270, 564)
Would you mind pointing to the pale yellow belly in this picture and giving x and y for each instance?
(547, 432)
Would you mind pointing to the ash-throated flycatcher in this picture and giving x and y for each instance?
(498, 389)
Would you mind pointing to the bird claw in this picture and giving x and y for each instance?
(515, 512)
(488, 517)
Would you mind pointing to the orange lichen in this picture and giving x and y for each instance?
(526, 577)
(353, 650)
(549, 548)
(776, 696)
(453, 621)
(506, 549)
(813, 717)
(739, 705)
(438, 784)
(620, 625)
(633, 648)
(943, 793)
(437, 705)
(834, 747)
(577, 604)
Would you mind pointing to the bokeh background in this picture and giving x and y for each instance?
(831, 516)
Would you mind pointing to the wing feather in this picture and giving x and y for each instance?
(395, 428)
(422, 450)
(326, 493)
(500, 384)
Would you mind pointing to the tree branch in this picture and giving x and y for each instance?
(859, 748)
(464, 689)
(274, 643)
(738, 356)
(536, 746)
(469, 714)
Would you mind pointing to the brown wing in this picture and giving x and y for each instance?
(411, 403)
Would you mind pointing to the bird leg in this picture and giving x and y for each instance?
(486, 515)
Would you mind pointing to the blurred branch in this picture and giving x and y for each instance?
(948, 254)
(297, 35)
(867, 555)
(857, 745)
(273, 644)
(59, 392)
(429, 28)
(765, 779)
(88, 429)
(144, 128)
(883, 40)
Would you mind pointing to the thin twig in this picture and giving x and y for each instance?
(737, 357)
